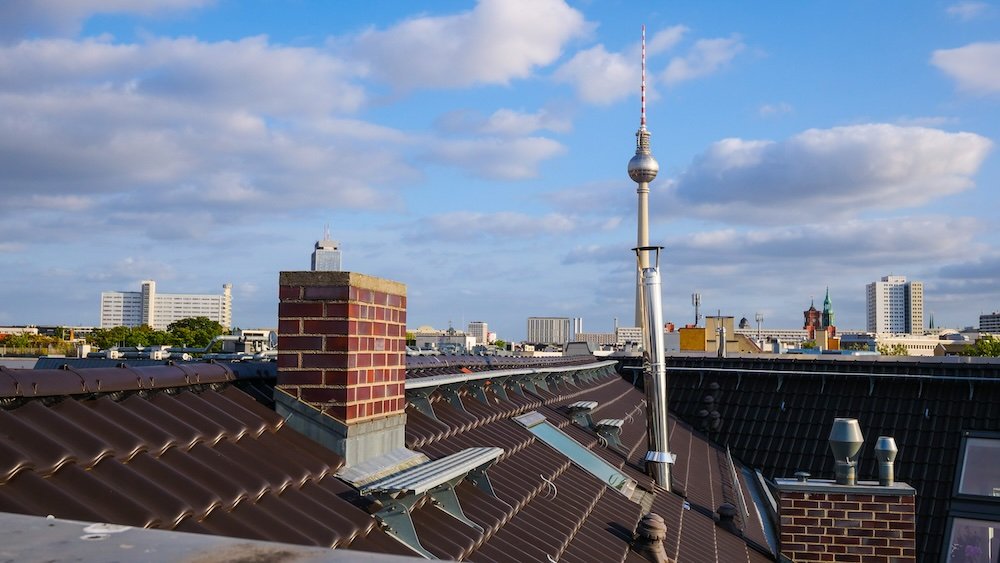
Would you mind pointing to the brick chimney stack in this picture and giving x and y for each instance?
(342, 360)
(823, 521)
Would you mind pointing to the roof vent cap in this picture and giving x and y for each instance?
(885, 454)
(845, 442)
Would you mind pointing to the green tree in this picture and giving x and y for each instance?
(809, 345)
(986, 346)
(894, 350)
(194, 332)
(500, 344)
(411, 339)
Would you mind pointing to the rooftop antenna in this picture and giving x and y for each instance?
(696, 301)
(326, 231)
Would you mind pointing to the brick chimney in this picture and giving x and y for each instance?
(342, 360)
(823, 521)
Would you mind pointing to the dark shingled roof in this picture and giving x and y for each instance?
(183, 448)
(776, 414)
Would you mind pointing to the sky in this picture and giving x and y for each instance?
(477, 152)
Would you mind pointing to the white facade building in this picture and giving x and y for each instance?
(147, 307)
(549, 330)
(895, 306)
(990, 323)
(628, 334)
(480, 331)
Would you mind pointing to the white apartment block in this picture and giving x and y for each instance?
(549, 330)
(480, 331)
(628, 334)
(147, 307)
(990, 323)
(895, 306)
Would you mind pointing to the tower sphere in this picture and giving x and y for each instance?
(643, 168)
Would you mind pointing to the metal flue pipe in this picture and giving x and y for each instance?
(658, 456)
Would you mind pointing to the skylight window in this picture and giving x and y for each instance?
(538, 425)
(980, 473)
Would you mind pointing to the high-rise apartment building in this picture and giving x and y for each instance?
(548, 330)
(990, 323)
(895, 306)
(480, 331)
(147, 307)
(326, 255)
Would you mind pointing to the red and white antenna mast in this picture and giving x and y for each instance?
(642, 120)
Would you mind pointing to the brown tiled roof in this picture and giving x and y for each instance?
(580, 518)
(776, 415)
(175, 448)
(184, 449)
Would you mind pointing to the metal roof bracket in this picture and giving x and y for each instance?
(401, 491)
(421, 400)
(871, 385)
(920, 389)
(445, 498)
(822, 386)
(781, 381)
(450, 392)
(739, 380)
(499, 386)
(611, 430)
(539, 380)
(480, 479)
(478, 391)
(972, 389)
(579, 412)
(398, 524)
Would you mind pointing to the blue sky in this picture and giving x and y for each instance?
(476, 151)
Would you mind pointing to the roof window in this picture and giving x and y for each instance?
(974, 540)
(538, 425)
(980, 473)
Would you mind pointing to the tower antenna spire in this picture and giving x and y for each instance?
(642, 119)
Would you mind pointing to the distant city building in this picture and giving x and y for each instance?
(147, 307)
(990, 323)
(326, 256)
(480, 331)
(628, 334)
(817, 321)
(596, 339)
(895, 306)
(549, 330)
(448, 341)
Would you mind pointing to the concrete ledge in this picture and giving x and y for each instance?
(830, 486)
(354, 279)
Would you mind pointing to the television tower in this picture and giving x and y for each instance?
(642, 168)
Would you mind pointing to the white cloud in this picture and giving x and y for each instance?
(177, 124)
(495, 42)
(707, 56)
(504, 122)
(665, 39)
(967, 10)
(463, 225)
(975, 67)
(837, 172)
(497, 158)
(19, 17)
(601, 77)
(773, 110)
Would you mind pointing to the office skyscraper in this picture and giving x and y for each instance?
(895, 306)
(326, 256)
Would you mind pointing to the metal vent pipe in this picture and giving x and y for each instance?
(658, 456)
(845, 442)
(885, 453)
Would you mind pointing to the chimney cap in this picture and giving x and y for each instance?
(885, 449)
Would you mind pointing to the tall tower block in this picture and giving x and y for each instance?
(642, 168)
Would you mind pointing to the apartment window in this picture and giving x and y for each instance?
(972, 540)
(537, 424)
